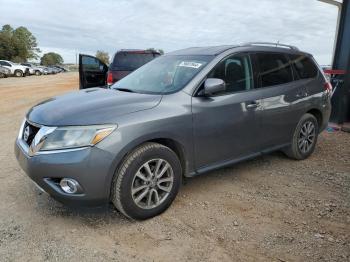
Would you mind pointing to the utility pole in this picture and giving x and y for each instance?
(76, 57)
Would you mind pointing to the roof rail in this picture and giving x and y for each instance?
(271, 44)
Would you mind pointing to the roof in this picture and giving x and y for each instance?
(207, 50)
(139, 51)
(258, 46)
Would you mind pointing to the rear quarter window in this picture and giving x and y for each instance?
(304, 66)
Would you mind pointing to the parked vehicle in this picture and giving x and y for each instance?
(44, 69)
(181, 115)
(33, 69)
(4, 72)
(123, 63)
(16, 69)
(54, 70)
(49, 70)
(61, 68)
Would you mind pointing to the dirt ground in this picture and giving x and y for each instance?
(267, 209)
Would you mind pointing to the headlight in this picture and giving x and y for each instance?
(77, 136)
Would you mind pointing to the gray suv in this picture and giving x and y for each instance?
(180, 115)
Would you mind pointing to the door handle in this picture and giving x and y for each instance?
(252, 105)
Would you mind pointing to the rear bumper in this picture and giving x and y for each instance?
(89, 166)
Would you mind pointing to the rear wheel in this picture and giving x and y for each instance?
(18, 73)
(37, 73)
(147, 181)
(304, 138)
(2, 75)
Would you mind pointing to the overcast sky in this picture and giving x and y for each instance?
(70, 26)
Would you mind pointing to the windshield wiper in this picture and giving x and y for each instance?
(124, 90)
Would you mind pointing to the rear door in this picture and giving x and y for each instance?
(283, 98)
(92, 72)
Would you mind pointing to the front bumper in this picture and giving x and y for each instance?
(90, 166)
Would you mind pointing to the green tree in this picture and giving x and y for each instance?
(18, 44)
(103, 56)
(51, 59)
(7, 50)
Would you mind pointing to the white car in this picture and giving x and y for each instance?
(16, 69)
(33, 69)
(44, 69)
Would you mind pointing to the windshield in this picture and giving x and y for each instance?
(166, 74)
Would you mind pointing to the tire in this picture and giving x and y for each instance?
(126, 180)
(37, 73)
(2, 75)
(302, 146)
(18, 73)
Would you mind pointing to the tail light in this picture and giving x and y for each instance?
(328, 87)
(109, 78)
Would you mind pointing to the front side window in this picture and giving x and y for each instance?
(304, 66)
(275, 69)
(165, 74)
(91, 64)
(5, 63)
(236, 71)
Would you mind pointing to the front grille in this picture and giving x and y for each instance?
(29, 132)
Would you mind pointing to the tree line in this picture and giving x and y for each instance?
(20, 45)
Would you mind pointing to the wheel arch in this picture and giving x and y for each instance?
(177, 147)
(171, 143)
(318, 115)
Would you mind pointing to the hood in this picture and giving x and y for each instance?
(90, 107)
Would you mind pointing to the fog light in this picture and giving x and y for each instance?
(69, 185)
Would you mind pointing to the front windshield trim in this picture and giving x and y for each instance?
(150, 78)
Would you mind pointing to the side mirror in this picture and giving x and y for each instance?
(214, 85)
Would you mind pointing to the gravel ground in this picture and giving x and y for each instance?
(267, 209)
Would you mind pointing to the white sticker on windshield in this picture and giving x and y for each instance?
(190, 64)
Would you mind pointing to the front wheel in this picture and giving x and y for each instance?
(304, 138)
(147, 181)
(18, 73)
(37, 73)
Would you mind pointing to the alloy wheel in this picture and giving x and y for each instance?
(152, 183)
(306, 137)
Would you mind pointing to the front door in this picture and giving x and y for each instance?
(92, 72)
(227, 125)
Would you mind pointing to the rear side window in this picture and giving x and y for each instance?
(131, 61)
(275, 69)
(304, 66)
